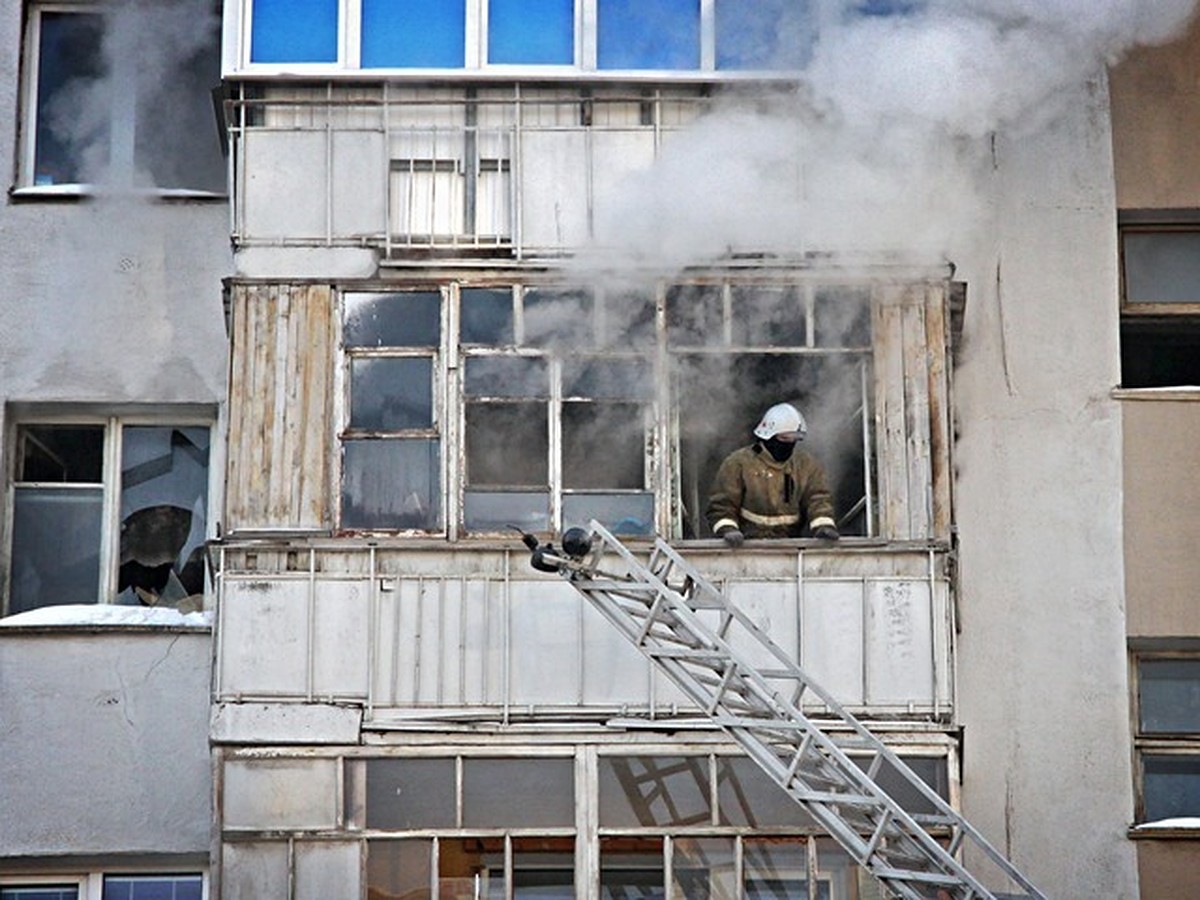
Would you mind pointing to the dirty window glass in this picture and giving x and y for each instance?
(507, 376)
(391, 393)
(558, 318)
(634, 34)
(1161, 266)
(768, 316)
(654, 791)
(523, 793)
(507, 444)
(486, 316)
(1169, 696)
(392, 483)
(603, 445)
(399, 868)
(294, 31)
(71, 72)
(55, 547)
(164, 502)
(413, 34)
(408, 319)
(695, 315)
(410, 793)
(531, 31)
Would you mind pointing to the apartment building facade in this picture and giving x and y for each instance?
(503, 267)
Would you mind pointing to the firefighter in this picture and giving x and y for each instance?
(772, 489)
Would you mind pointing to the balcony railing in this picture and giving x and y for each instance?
(423, 633)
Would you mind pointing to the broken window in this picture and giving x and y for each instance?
(111, 511)
(121, 96)
(1168, 736)
(1160, 310)
(554, 395)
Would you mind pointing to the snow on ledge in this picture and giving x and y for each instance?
(1186, 823)
(108, 614)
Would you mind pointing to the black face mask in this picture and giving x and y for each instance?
(780, 451)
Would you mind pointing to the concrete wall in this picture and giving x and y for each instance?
(105, 742)
(1043, 692)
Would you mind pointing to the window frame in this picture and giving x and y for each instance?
(90, 884)
(476, 51)
(663, 438)
(1157, 743)
(113, 422)
(119, 114)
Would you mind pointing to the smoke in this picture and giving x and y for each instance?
(129, 104)
(881, 147)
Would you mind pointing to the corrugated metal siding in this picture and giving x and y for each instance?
(912, 412)
(281, 408)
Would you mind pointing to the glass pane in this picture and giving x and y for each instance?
(931, 770)
(558, 318)
(399, 868)
(763, 34)
(629, 319)
(294, 31)
(508, 444)
(471, 868)
(619, 429)
(631, 869)
(1162, 266)
(164, 515)
(531, 31)
(60, 453)
(71, 79)
(507, 376)
(391, 394)
(501, 510)
(39, 892)
(55, 547)
(747, 796)
(777, 868)
(842, 317)
(413, 33)
(703, 869)
(634, 34)
(152, 887)
(629, 378)
(486, 315)
(1169, 696)
(1171, 787)
(620, 513)
(695, 316)
(392, 484)
(518, 793)
(408, 319)
(654, 791)
(543, 869)
(178, 141)
(410, 793)
(768, 316)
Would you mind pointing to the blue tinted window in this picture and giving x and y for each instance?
(763, 34)
(413, 33)
(531, 31)
(294, 31)
(634, 34)
(152, 887)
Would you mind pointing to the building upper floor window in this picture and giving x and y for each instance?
(584, 35)
(108, 510)
(1160, 310)
(1167, 738)
(473, 409)
(139, 886)
(118, 96)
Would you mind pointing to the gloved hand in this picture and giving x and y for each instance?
(826, 533)
(732, 536)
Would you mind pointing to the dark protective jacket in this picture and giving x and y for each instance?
(764, 498)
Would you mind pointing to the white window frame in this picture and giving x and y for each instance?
(239, 27)
(113, 423)
(122, 114)
(90, 884)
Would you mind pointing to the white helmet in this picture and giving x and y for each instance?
(784, 420)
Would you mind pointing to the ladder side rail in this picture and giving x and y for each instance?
(898, 765)
(685, 614)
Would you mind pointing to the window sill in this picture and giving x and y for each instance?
(1180, 392)
(106, 617)
(1167, 830)
(80, 192)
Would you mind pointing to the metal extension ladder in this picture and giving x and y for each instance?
(664, 607)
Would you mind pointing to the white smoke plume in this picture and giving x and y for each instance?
(880, 148)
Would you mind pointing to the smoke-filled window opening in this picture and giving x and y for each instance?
(120, 95)
(108, 509)
(738, 349)
(1160, 312)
